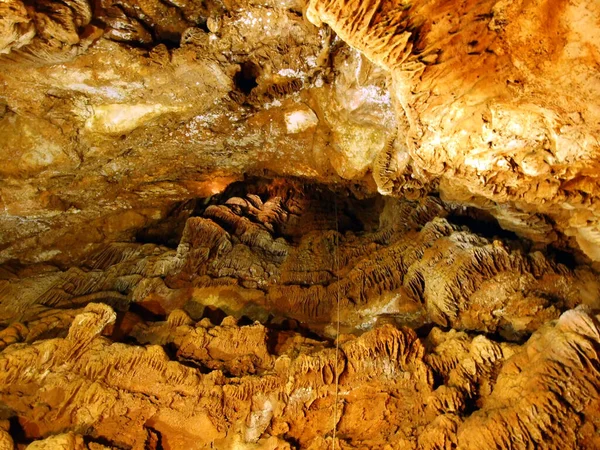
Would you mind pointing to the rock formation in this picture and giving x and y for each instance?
(496, 102)
(487, 394)
(299, 224)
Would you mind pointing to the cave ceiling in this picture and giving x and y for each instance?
(299, 224)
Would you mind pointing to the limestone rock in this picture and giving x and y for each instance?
(80, 383)
(280, 250)
(479, 103)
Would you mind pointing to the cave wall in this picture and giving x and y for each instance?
(497, 102)
(135, 106)
(286, 310)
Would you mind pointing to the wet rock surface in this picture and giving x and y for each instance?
(283, 250)
(229, 339)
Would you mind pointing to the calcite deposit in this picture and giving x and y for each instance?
(497, 102)
(320, 224)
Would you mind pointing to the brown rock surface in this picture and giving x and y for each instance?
(299, 224)
(462, 103)
(276, 251)
(131, 396)
(496, 101)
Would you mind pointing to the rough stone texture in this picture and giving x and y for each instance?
(213, 212)
(496, 101)
(488, 395)
(274, 252)
(278, 250)
(106, 143)
(106, 138)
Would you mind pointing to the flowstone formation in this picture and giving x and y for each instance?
(488, 395)
(299, 225)
(497, 103)
(226, 337)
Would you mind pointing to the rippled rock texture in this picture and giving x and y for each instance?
(102, 144)
(119, 110)
(283, 249)
(299, 224)
(497, 103)
(229, 339)
(269, 389)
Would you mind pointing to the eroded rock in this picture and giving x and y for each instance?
(282, 250)
(494, 119)
(80, 382)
